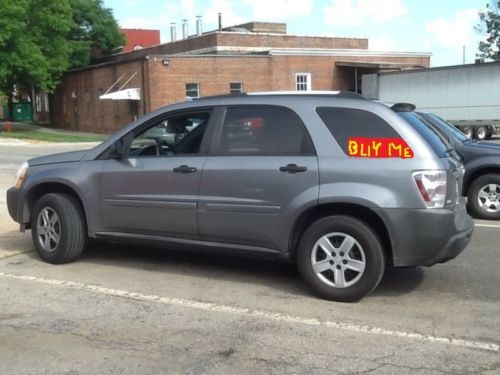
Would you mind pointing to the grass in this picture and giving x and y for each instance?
(52, 136)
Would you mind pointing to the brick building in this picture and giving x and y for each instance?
(251, 57)
(140, 38)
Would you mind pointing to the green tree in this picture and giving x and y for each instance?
(95, 32)
(489, 49)
(34, 46)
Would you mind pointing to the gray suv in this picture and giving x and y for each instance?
(341, 185)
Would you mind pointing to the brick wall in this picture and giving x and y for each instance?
(165, 78)
(242, 40)
(76, 104)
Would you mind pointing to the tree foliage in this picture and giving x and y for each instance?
(39, 43)
(94, 32)
(34, 46)
(489, 49)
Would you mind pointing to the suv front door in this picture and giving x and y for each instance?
(262, 168)
(154, 190)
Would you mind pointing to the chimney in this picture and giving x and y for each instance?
(198, 26)
(173, 32)
(220, 21)
(184, 29)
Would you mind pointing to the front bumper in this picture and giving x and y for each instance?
(13, 203)
(423, 237)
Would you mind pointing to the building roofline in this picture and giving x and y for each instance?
(343, 52)
(448, 67)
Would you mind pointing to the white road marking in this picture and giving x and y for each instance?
(206, 306)
(487, 225)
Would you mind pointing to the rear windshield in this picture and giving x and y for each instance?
(437, 143)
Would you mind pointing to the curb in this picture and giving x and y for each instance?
(19, 142)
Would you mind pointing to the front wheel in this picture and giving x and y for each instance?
(483, 198)
(341, 258)
(58, 228)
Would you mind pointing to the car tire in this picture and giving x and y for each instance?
(468, 132)
(58, 228)
(340, 258)
(483, 197)
(481, 133)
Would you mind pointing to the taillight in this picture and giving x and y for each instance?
(432, 187)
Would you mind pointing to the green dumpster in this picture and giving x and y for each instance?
(22, 112)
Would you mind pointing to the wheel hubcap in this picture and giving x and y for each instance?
(489, 198)
(48, 229)
(338, 260)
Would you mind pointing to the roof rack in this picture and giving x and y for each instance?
(337, 94)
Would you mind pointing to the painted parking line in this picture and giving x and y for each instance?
(487, 225)
(257, 314)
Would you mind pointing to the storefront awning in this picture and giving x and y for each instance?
(127, 94)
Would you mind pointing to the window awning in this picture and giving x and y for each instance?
(127, 94)
(377, 65)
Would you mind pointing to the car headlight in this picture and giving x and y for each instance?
(21, 174)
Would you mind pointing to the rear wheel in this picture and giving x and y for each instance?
(482, 133)
(58, 228)
(341, 258)
(483, 198)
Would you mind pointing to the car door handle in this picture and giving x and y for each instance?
(184, 169)
(293, 168)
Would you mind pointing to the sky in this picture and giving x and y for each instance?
(441, 27)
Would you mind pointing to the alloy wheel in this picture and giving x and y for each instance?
(48, 229)
(489, 198)
(338, 260)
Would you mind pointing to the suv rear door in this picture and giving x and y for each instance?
(261, 169)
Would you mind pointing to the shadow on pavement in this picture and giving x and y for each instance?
(281, 275)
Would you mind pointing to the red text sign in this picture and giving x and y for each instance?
(379, 148)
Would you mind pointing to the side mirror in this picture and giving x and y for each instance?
(117, 150)
(120, 149)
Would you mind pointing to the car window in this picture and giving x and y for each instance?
(348, 123)
(180, 134)
(261, 130)
(446, 126)
(439, 145)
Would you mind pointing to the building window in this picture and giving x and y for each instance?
(38, 103)
(192, 90)
(303, 81)
(235, 87)
(117, 108)
(87, 100)
(46, 102)
(101, 102)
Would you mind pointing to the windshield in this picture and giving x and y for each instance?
(446, 126)
(437, 143)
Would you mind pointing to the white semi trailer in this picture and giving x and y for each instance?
(468, 96)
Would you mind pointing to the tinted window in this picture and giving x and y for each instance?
(345, 123)
(446, 126)
(437, 143)
(264, 131)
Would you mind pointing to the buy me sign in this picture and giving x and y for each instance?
(379, 148)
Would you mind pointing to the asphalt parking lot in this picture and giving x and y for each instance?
(127, 309)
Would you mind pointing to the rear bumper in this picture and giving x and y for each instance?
(422, 237)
